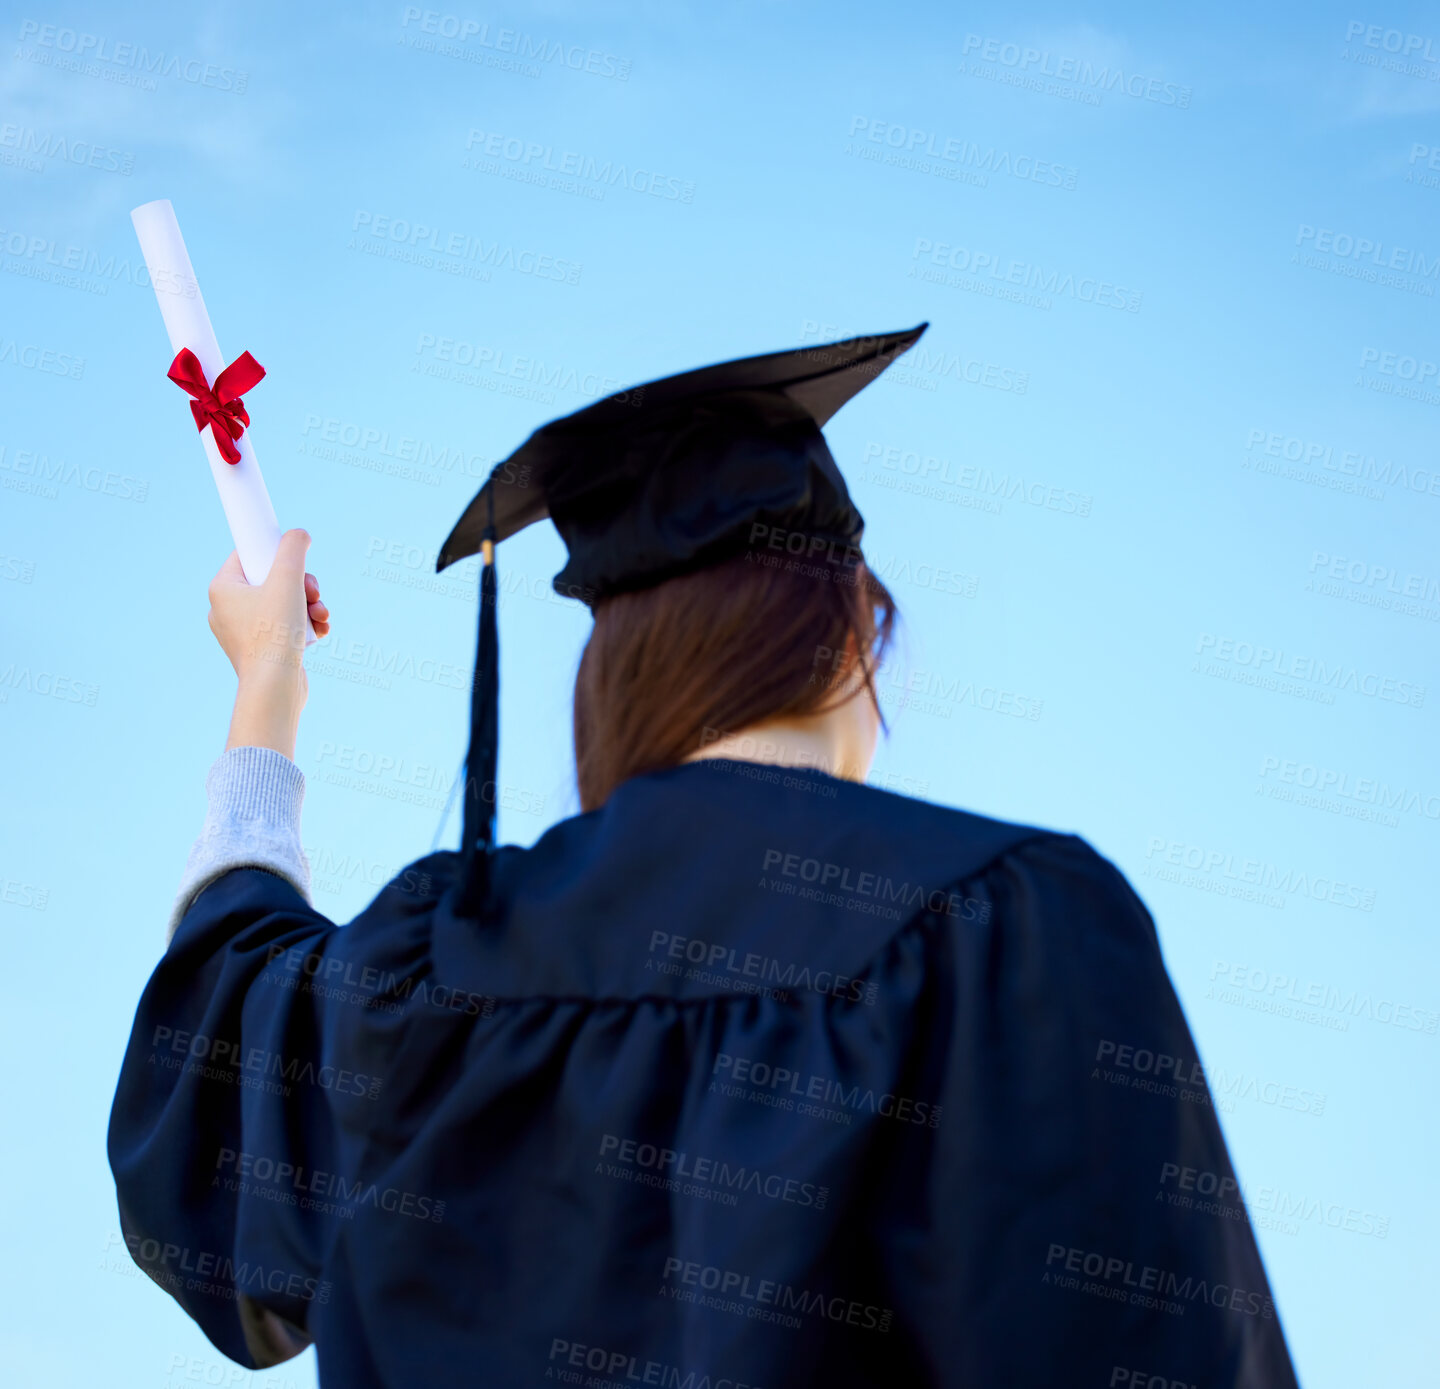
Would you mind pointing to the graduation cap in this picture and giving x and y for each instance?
(658, 481)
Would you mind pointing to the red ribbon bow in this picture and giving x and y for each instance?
(221, 405)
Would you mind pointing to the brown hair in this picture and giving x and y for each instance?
(670, 668)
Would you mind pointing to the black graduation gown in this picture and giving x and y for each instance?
(752, 1077)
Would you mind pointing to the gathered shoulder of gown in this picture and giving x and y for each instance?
(752, 1077)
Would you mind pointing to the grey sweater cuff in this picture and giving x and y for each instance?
(253, 821)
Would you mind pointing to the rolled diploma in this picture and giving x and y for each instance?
(253, 525)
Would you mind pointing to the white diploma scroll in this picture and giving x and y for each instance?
(248, 510)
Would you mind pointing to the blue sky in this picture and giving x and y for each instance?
(1156, 495)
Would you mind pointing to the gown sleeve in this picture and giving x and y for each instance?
(1078, 1193)
(223, 1084)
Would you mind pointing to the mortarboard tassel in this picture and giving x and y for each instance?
(478, 820)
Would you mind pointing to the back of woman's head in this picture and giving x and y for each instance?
(670, 669)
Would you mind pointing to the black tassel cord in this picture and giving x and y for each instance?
(477, 838)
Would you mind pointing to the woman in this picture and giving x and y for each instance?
(749, 1074)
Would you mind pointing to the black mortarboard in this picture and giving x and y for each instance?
(661, 480)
